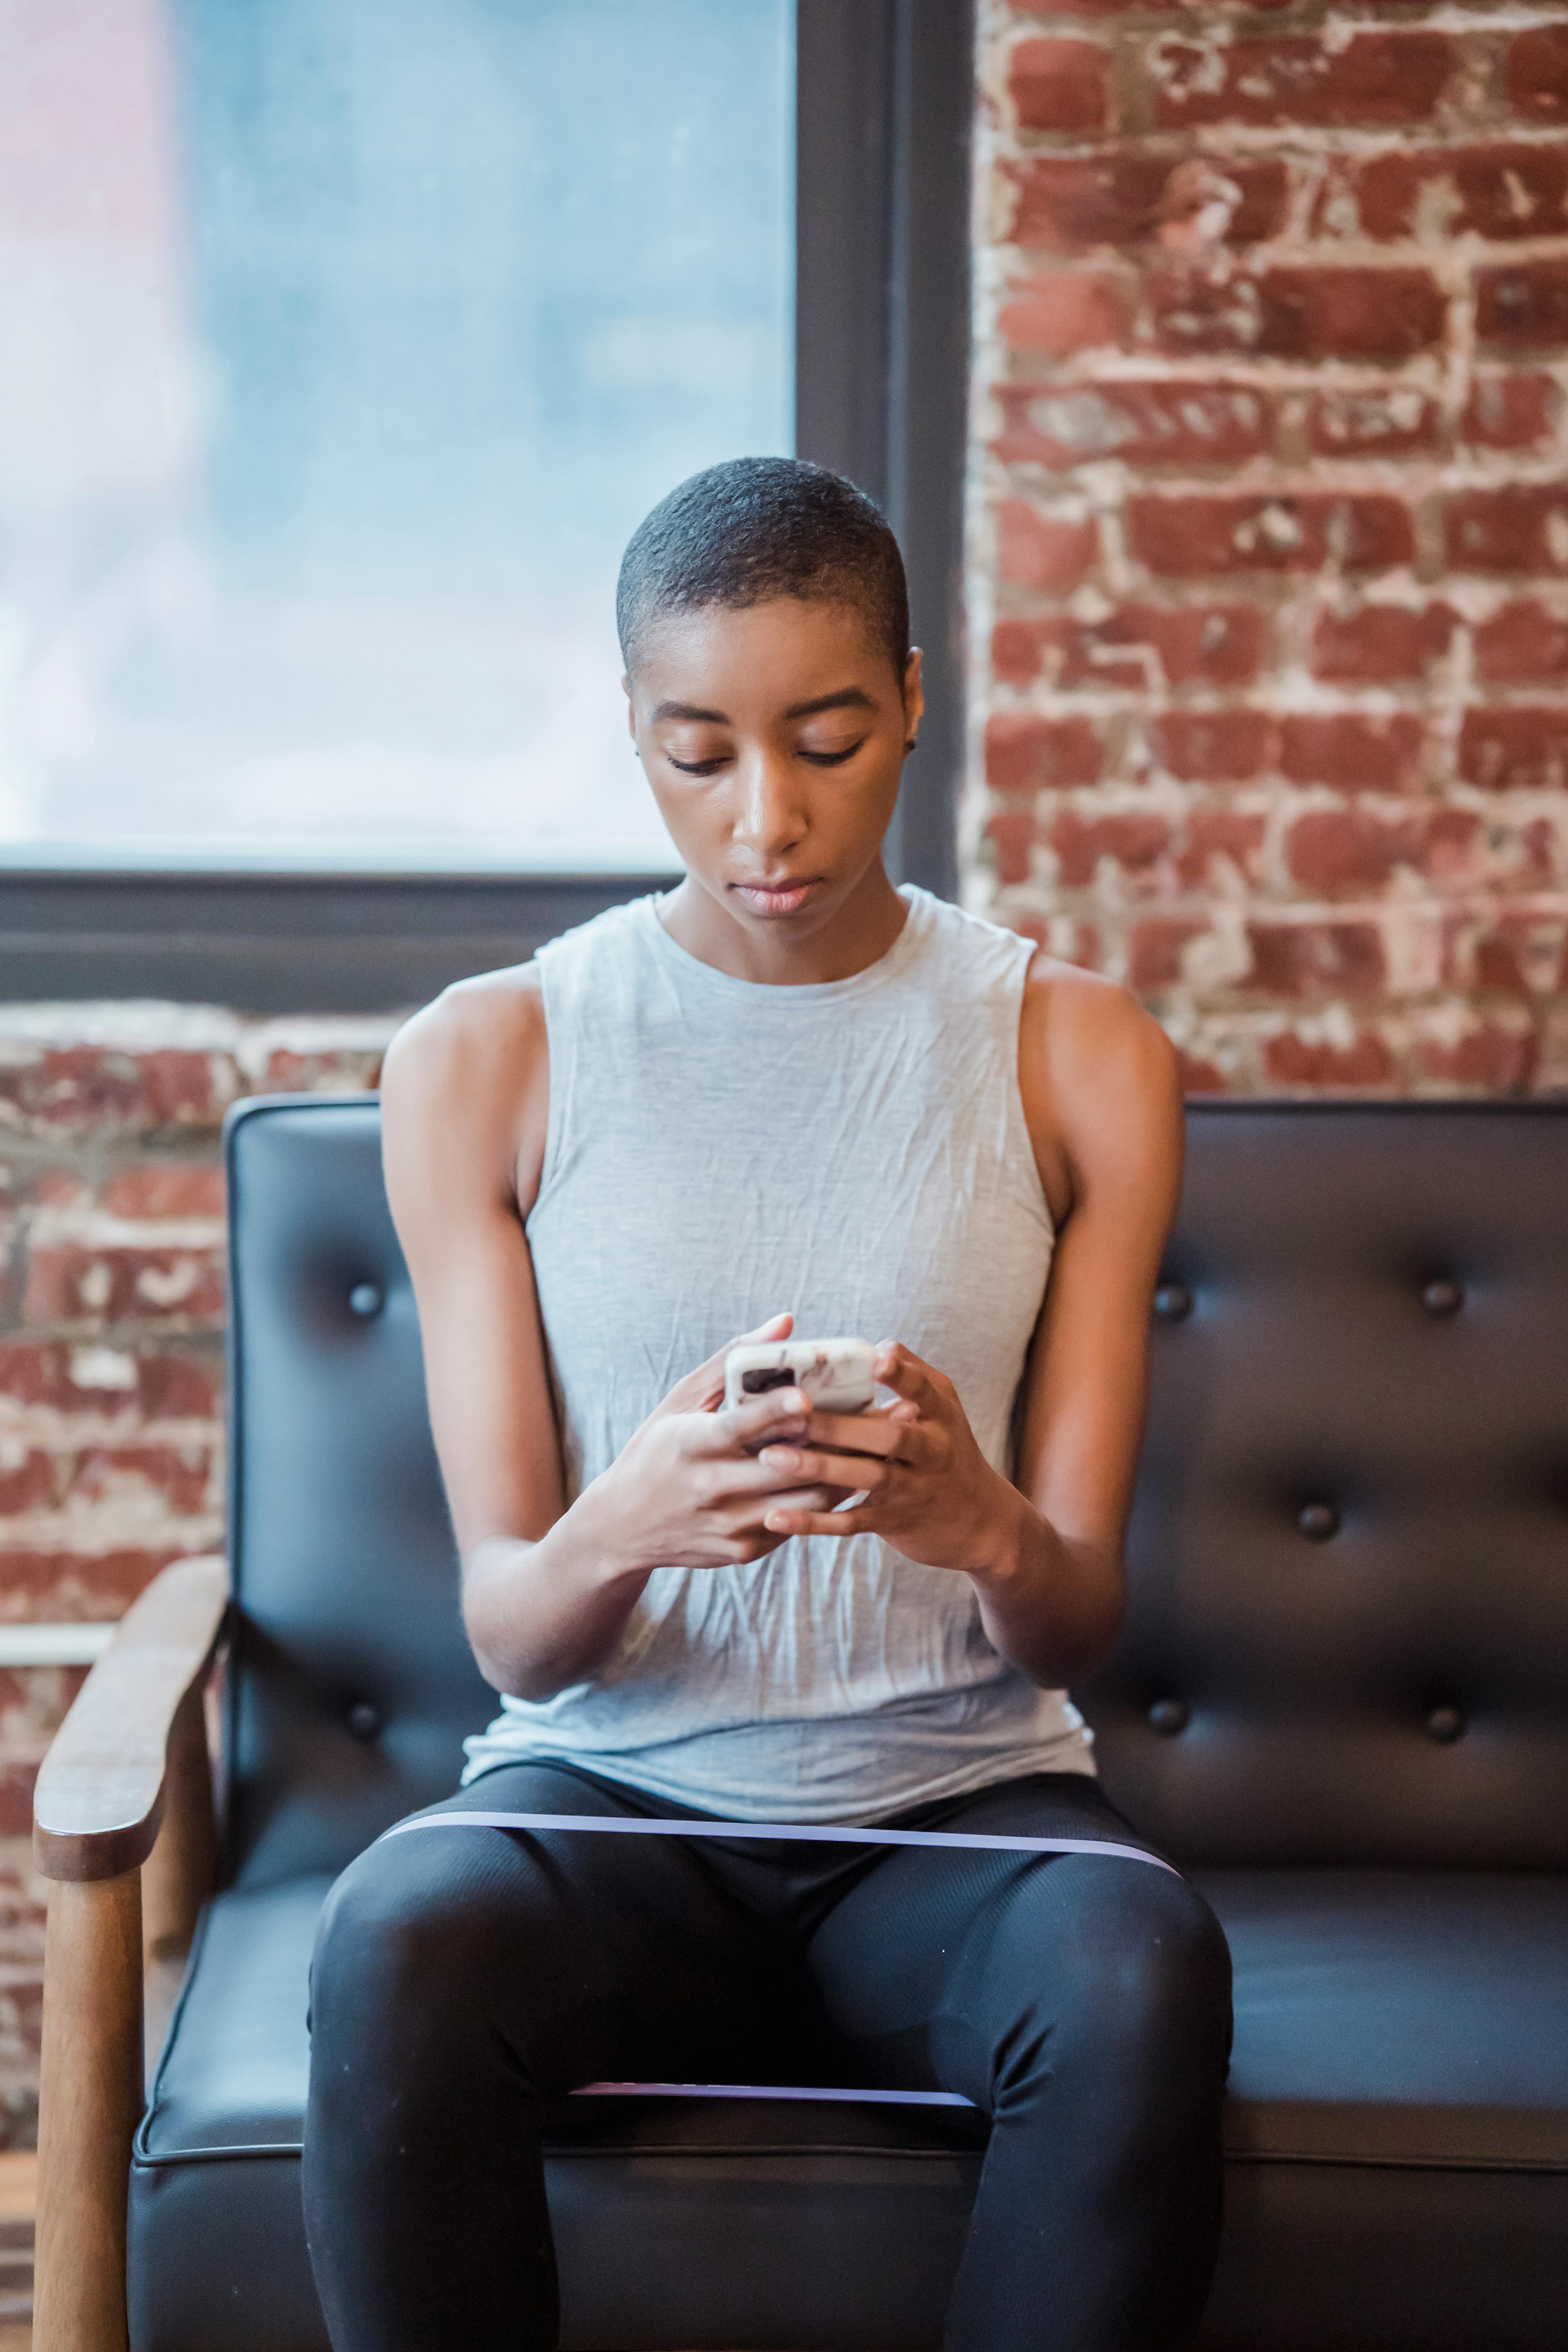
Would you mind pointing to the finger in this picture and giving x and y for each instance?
(775, 1412)
(808, 1499)
(849, 1471)
(876, 1433)
(786, 1522)
(702, 1389)
(898, 1367)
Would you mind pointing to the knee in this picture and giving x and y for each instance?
(399, 1928)
(1123, 1972)
(1168, 1981)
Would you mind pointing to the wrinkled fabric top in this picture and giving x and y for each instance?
(855, 1152)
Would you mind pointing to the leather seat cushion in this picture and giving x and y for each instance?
(1399, 2094)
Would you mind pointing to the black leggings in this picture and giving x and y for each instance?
(466, 1979)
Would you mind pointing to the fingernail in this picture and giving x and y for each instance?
(780, 1457)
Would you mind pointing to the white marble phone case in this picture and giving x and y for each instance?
(835, 1374)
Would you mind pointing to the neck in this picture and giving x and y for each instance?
(851, 937)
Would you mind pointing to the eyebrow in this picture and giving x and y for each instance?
(848, 697)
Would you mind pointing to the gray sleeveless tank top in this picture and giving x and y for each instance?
(856, 1152)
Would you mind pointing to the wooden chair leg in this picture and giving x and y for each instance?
(90, 2102)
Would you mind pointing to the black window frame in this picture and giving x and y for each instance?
(884, 102)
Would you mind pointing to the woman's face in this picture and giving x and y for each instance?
(774, 738)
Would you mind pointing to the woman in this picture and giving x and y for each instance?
(785, 1090)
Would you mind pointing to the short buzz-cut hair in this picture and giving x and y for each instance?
(756, 528)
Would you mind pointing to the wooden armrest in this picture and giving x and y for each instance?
(99, 1794)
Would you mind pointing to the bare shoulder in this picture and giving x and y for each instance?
(1100, 1080)
(468, 1077)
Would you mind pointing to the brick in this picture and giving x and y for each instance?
(1365, 314)
(1106, 7)
(1497, 192)
(1058, 85)
(1349, 851)
(1521, 528)
(1212, 746)
(1312, 959)
(1198, 1075)
(1523, 305)
(167, 1188)
(1518, 410)
(71, 1586)
(1067, 311)
(1355, 753)
(326, 1070)
(1516, 750)
(55, 1379)
(69, 1089)
(29, 1485)
(1523, 955)
(1221, 841)
(1186, 538)
(1296, 79)
(178, 1477)
(1144, 424)
(115, 1286)
(1289, 1060)
(1011, 834)
(1155, 947)
(1035, 551)
(1487, 1057)
(1397, 423)
(1063, 204)
(1137, 648)
(1380, 644)
(1538, 73)
(1024, 752)
(1524, 643)
(1133, 842)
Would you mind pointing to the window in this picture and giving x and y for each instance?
(358, 336)
(347, 339)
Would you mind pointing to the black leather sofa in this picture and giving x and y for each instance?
(1341, 1697)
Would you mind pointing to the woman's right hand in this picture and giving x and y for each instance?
(685, 1490)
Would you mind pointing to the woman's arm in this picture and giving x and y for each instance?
(546, 1589)
(1103, 1104)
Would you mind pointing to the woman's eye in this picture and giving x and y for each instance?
(830, 759)
(697, 767)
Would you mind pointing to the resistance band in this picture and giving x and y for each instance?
(635, 1825)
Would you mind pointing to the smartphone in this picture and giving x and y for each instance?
(833, 1375)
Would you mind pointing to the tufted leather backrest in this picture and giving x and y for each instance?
(353, 1684)
(1347, 1635)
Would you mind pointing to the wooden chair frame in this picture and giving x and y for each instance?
(124, 1829)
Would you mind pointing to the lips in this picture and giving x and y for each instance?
(781, 898)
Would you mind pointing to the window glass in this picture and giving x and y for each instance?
(346, 342)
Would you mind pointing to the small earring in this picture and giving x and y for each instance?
(909, 745)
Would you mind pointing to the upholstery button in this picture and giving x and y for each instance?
(1317, 1521)
(1442, 1297)
(1172, 1302)
(364, 1719)
(1445, 1725)
(1169, 1716)
(365, 1298)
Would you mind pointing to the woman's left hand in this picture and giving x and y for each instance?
(929, 1491)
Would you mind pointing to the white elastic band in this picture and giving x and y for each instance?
(637, 1825)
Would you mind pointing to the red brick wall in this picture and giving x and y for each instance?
(110, 1353)
(1270, 571)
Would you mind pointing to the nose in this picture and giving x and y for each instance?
(771, 816)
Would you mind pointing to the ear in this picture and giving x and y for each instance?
(631, 708)
(914, 696)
